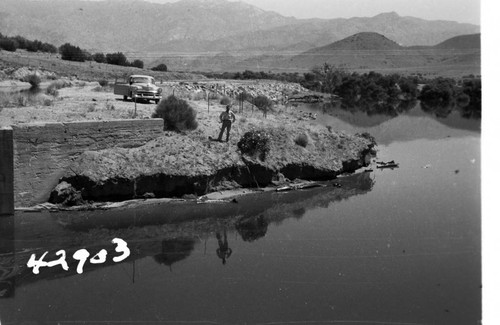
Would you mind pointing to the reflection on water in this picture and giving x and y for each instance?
(174, 250)
(18, 97)
(398, 246)
(156, 235)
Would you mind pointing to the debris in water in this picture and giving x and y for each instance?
(389, 164)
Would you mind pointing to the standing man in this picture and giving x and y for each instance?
(227, 118)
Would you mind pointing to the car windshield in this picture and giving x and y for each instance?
(142, 80)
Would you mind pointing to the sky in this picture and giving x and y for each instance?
(464, 11)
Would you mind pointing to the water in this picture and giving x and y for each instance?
(400, 246)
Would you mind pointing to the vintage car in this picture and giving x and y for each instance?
(139, 87)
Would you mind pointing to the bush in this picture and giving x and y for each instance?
(34, 80)
(54, 86)
(196, 96)
(255, 142)
(225, 100)
(52, 89)
(103, 82)
(177, 114)
(262, 102)
(302, 140)
(160, 67)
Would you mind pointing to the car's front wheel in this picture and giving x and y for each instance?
(124, 97)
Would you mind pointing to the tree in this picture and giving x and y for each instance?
(99, 57)
(71, 53)
(137, 64)
(48, 48)
(117, 58)
(8, 44)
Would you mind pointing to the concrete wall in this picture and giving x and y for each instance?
(43, 151)
(6, 172)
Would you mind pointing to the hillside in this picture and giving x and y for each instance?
(461, 42)
(200, 26)
(133, 25)
(359, 42)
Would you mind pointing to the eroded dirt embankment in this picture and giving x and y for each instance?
(175, 165)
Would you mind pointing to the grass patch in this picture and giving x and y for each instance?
(53, 88)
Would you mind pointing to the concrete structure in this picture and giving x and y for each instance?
(6, 172)
(44, 151)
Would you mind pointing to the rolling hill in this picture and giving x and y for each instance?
(461, 42)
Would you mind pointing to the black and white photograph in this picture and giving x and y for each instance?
(264, 162)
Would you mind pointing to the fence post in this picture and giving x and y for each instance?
(6, 171)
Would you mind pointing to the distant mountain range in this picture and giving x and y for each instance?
(370, 50)
(362, 51)
(201, 26)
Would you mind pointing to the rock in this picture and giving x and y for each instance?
(66, 194)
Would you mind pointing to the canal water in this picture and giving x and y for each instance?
(390, 246)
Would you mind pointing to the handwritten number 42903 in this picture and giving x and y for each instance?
(81, 256)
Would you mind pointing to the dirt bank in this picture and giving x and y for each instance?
(177, 164)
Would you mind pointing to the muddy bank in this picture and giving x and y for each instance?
(176, 165)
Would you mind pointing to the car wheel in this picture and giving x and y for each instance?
(157, 101)
(124, 97)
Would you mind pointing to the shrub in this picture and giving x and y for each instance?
(196, 96)
(52, 90)
(177, 114)
(367, 136)
(33, 79)
(212, 95)
(103, 82)
(255, 142)
(48, 102)
(262, 102)
(225, 100)
(160, 67)
(54, 86)
(302, 140)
